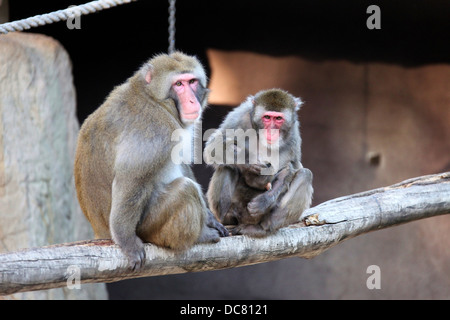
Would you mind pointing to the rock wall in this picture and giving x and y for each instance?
(38, 131)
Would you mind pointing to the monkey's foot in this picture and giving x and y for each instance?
(213, 223)
(209, 235)
(223, 232)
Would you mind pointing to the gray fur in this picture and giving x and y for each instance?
(127, 184)
(237, 192)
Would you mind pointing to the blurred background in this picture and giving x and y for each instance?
(376, 112)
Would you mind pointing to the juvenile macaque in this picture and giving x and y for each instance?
(127, 184)
(272, 190)
(250, 183)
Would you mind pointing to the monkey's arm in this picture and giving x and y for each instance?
(126, 211)
(220, 193)
(132, 188)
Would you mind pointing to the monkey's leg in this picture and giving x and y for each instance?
(293, 203)
(287, 211)
(178, 217)
(263, 203)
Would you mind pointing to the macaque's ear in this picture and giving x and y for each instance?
(147, 73)
(298, 103)
(148, 76)
(252, 100)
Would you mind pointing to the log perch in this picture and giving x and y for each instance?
(321, 228)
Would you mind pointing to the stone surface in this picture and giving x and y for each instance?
(38, 131)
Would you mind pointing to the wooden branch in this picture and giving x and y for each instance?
(326, 225)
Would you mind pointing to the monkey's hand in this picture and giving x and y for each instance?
(134, 250)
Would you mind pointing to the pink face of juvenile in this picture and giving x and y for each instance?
(272, 122)
(185, 86)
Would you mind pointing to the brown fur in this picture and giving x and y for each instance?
(275, 100)
(124, 175)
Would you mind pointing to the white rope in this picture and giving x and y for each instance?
(60, 15)
(171, 26)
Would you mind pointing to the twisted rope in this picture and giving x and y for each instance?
(172, 26)
(60, 15)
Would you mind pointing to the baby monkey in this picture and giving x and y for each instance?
(271, 192)
(250, 184)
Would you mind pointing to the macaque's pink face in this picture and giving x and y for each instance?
(185, 86)
(272, 122)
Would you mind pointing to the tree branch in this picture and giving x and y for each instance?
(324, 226)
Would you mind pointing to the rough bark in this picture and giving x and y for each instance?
(322, 227)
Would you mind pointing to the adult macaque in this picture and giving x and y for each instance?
(272, 191)
(127, 184)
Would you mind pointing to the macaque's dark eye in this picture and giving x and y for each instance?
(267, 117)
(178, 84)
(192, 81)
(279, 118)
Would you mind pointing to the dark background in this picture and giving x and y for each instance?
(113, 43)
